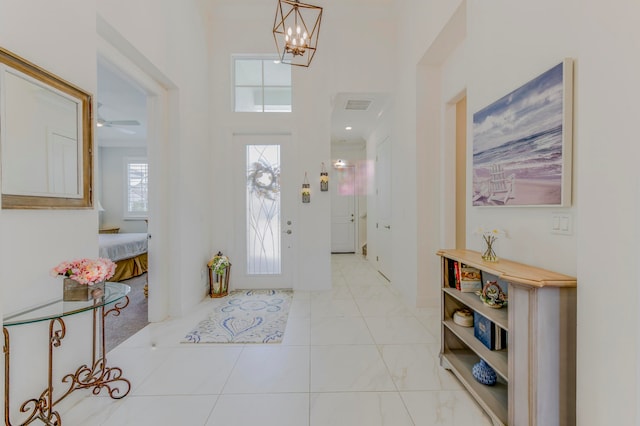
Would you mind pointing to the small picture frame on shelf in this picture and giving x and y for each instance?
(470, 279)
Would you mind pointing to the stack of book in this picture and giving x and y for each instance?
(466, 278)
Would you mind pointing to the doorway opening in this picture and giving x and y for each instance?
(344, 208)
(151, 91)
(359, 122)
(122, 194)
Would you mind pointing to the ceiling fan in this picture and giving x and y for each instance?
(116, 123)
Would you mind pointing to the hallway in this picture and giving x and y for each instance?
(353, 356)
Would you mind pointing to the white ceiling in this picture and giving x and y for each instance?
(362, 122)
(120, 99)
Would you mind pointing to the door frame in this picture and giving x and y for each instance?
(388, 272)
(241, 278)
(111, 49)
(356, 214)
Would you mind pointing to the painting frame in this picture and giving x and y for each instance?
(523, 143)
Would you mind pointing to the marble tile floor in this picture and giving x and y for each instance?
(355, 355)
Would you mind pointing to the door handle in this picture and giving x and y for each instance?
(388, 226)
(352, 220)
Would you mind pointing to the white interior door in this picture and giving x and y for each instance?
(265, 221)
(343, 210)
(384, 208)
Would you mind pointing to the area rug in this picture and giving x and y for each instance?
(245, 316)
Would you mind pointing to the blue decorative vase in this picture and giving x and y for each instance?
(484, 374)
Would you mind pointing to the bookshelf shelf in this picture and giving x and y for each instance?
(536, 370)
(491, 398)
(496, 359)
(498, 316)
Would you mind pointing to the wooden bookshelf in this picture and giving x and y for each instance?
(536, 370)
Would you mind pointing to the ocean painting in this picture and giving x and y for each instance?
(522, 144)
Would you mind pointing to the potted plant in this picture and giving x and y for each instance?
(84, 278)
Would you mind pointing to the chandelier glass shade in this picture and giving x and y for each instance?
(295, 29)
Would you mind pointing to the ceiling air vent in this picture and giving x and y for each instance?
(357, 105)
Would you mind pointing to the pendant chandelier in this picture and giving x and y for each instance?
(295, 29)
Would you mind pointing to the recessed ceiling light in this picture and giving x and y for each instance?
(348, 128)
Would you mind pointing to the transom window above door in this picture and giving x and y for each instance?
(261, 84)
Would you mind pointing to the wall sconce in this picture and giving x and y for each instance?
(306, 190)
(324, 179)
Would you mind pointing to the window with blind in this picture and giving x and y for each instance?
(137, 185)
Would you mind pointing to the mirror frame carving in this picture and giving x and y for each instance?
(10, 201)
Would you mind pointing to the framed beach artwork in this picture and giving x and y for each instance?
(522, 144)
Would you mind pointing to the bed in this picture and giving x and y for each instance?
(128, 251)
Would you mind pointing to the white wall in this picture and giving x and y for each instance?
(418, 24)
(441, 81)
(170, 41)
(353, 55)
(607, 210)
(32, 242)
(505, 48)
(167, 35)
(497, 73)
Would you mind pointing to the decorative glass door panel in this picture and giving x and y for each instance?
(263, 210)
(265, 220)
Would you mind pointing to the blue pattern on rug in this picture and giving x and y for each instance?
(245, 316)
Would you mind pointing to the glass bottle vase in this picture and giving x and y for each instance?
(489, 255)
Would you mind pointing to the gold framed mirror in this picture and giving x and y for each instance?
(46, 138)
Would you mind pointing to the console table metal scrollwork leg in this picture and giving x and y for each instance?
(98, 376)
(5, 349)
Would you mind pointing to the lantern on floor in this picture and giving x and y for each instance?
(324, 179)
(306, 190)
(219, 272)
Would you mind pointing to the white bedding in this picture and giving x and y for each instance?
(122, 246)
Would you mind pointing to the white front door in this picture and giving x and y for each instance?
(265, 223)
(383, 208)
(343, 210)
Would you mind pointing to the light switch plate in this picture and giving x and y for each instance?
(561, 223)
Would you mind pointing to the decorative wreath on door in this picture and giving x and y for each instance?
(263, 179)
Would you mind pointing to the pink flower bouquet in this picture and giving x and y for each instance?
(86, 271)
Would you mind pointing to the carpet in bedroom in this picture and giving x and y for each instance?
(132, 319)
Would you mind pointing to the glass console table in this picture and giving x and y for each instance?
(96, 376)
